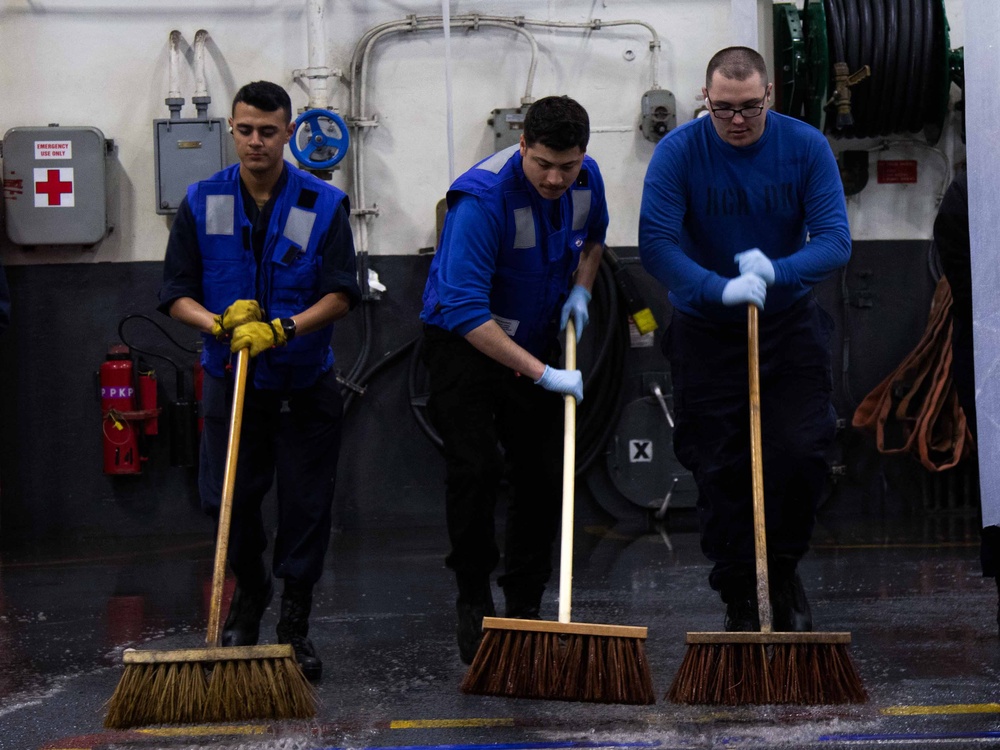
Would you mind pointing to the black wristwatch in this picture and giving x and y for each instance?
(288, 326)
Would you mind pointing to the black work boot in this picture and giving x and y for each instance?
(523, 604)
(742, 615)
(293, 627)
(740, 596)
(475, 601)
(789, 602)
(242, 627)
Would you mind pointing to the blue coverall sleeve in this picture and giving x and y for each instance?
(829, 245)
(661, 220)
(470, 242)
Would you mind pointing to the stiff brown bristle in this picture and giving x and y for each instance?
(560, 666)
(237, 690)
(756, 673)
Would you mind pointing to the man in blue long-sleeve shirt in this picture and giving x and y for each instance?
(745, 206)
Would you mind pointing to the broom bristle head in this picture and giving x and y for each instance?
(237, 690)
(734, 674)
(168, 693)
(560, 666)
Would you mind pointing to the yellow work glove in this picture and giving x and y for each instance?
(258, 337)
(240, 312)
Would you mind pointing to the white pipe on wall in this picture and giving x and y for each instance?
(200, 87)
(449, 106)
(317, 74)
(174, 88)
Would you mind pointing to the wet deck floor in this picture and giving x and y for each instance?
(922, 619)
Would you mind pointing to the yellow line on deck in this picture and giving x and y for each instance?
(449, 723)
(954, 708)
(203, 731)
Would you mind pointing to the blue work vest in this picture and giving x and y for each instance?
(288, 278)
(536, 260)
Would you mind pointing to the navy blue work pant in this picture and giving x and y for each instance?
(294, 435)
(485, 414)
(712, 432)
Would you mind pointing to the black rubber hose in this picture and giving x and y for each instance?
(375, 369)
(915, 81)
(177, 368)
(879, 58)
(863, 90)
(838, 53)
(852, 42)
(922, 112)
(902, 67)
(889, 68)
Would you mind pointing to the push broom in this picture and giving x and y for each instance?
(245, 682)
(765, 667)
(562, 660)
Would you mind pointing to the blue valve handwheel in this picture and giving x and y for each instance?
(316, 151)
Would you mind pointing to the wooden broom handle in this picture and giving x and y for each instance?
(569, 476)
(757, 471)
(213, 638)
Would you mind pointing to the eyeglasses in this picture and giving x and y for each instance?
(728, 113)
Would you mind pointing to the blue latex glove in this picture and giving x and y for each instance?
(754, 261)
(748, 288)
(569, 382)
(576, 304)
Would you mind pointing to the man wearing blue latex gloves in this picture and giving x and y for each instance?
(522, 227)
(728, 205)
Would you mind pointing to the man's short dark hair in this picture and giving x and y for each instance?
(265, 96)
(737, 64)
(557, 122)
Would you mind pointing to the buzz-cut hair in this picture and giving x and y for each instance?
(737, 64)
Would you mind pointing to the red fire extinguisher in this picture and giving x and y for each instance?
(121, 441)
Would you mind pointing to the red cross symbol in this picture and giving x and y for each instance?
(53, 187)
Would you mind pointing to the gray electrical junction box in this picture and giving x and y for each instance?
(186, 151)
(55, 185)
(508, 124)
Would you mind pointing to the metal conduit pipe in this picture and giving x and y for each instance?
(362, 51)
(359, 69)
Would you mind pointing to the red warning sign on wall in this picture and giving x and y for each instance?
(54, 187)
(896, 171)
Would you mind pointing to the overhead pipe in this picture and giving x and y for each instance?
(201, 98)
(360, 64)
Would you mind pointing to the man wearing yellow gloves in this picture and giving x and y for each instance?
(261, 257)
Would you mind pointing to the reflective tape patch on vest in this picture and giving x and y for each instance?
(299, 225)
(524, 228)
(581, 209)
(495, 163)
(219, 212)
